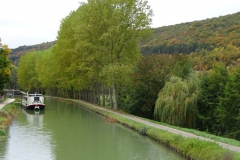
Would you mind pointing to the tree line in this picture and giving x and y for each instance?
(97, 45)
(5, 65)
(97, 58)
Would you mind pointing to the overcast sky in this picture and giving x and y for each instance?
(29, 22)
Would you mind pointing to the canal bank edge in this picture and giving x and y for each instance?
(184, 143)
(6, 117)
(5, 102)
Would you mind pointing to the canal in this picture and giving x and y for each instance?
(66, 130)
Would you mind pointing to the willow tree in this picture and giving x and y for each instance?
(5, 65)
(177, 102)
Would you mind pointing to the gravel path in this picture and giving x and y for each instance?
(8, 100)
(175, 131)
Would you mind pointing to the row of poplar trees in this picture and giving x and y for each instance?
(97, 45)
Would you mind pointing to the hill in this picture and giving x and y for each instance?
(22, 50)
(180, 38)
(194, 36)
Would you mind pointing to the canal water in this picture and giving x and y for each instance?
(66, 131)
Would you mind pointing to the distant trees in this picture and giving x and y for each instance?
(22, 50)
(5, 65)
(205, 60)
(194, 36)
(174, 48)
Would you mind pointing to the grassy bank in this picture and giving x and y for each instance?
(190, 148)
(7, 114)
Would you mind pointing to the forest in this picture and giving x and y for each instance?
(194, 36)
(187, 74)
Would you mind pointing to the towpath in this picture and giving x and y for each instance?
(8, 100)
(172, 130)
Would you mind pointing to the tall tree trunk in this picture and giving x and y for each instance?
(86, 95)
(94, 93)
(103, 96)
(79, 94)
(48, 91)
(66, 93)
(98, 95)
(110, 97)
(55, 91)
(74, 94)
(90, 96)
(115, 96)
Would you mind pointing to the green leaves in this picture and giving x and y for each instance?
(28, 78)
(228, 110)
(98, 43)
(4, 66)
(116, 74)
(177, 101)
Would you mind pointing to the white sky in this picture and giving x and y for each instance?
(29, 22)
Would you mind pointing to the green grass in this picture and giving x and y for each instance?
(188, 147)
(198, 133)
(6, 115)
(202, 134)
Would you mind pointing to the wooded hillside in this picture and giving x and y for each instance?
(194, 36)
(22, 50)
(180, 38)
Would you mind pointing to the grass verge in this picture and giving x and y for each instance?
(7, 114)
(190, 148)
(200, 133)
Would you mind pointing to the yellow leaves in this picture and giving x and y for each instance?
(7, 50)
(5, 72)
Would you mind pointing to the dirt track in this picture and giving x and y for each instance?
(175, 131)
(6, 102)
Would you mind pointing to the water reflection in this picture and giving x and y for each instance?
(34, 117)
(67, 131)
(28, 139)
